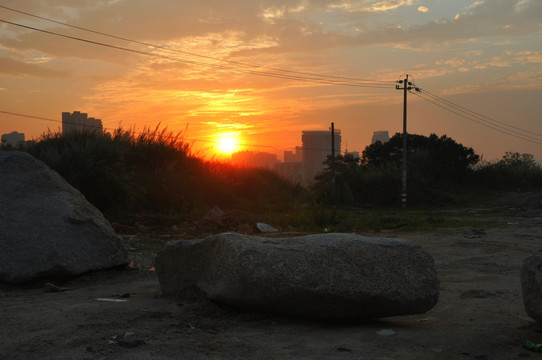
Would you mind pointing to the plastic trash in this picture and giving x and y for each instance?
(532, 346)
(111, 300)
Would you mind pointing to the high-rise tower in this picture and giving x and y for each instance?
(316, 149)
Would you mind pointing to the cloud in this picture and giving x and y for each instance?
(423, 9)
(249, 28)
(17, 68)
(318, 36)
(386, 5)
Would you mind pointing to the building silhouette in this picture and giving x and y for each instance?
(316, 149)
(13, 139)
(80, 122)
(292, 167)
(294, 156)
(257, 159)
(382, 136)
(353, 154)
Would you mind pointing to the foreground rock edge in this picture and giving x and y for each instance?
(49, 229)
(322, 276)
(531, 285)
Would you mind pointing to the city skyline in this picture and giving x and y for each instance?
(260, 72)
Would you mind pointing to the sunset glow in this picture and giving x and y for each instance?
(267, 70)
(227, 144)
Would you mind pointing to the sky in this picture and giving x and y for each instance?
(259, 72)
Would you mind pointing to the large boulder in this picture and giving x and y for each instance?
(326, 276)
(531, 284)
(48, 228)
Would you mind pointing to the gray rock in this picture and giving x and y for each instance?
(265, 228)
(326, 276)
(531, 285)
(48, 228)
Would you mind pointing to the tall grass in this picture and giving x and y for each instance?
(154, 172)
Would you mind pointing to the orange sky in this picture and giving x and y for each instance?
(214, 69)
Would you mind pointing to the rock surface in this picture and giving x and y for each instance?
(325, 276)
(531, 285)
(48, 228)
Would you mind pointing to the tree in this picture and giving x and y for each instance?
(434, 165)
(433, 159)
(517, 160)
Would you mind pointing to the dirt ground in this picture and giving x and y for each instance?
(121, 314)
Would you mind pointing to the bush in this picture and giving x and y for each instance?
(126, 173)
(92, 163)
(514, 171)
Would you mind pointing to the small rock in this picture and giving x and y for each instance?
(128, 339)
(386, 332)
(214, 214)
(265, 228)
(50, 287)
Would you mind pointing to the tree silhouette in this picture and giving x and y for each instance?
(433, 158)
(435, 164)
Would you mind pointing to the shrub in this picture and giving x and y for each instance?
(513, 171)
(154, 171)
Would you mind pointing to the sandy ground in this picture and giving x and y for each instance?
(479, 315)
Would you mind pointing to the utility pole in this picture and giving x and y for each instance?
(332, 153)
(407, 85)
(332, 162)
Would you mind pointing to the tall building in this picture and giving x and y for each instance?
(382, 136)
(13, 139)
(316, 149)
(78, 121)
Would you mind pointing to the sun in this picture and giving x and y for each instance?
(227, 144)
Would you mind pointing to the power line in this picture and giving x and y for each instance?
(483, 120)
(272, 72)
(139, 133)
(254, 72)
(469, 115)
(184, 139)
(478, 115)
(335, 78)
(283, 74)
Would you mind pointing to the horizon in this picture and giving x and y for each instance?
(255, 75)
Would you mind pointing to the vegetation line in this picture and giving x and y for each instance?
(154, 173)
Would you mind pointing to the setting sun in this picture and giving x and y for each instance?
(227, 143)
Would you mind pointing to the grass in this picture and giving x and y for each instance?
(153, 172)
(401, 220)
(151, 179)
